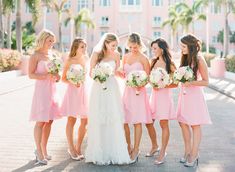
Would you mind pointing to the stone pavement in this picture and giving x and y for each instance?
(217, 149)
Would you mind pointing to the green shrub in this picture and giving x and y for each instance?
(230, 63)
(208, 57)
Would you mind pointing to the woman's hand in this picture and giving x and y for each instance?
(139, 88)
(187, 84)
(155, 88)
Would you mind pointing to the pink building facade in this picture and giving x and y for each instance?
(125, 16)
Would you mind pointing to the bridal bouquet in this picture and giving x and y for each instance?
(137, 78)
(183, 74)
(159, 78)
(101, 73)
(76, 74)
(54, 65)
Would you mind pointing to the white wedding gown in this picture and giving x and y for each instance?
(106, 142)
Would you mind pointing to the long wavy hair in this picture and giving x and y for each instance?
(110, 37)
(191, 59)
(165, 54)
(75, 45)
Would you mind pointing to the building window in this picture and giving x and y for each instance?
(102, 33)
(156, 35)
(130, 2)
(130, 6)
(214, 39)
(67, 5)
(157, 2)
(27, 9)
(82, 4)
(49, 10)
(104, 20)
(214, 8)
(105, 3)
(157, 21)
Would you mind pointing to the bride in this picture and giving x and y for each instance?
(106, 142)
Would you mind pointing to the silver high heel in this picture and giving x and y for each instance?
(135, 159)
(193, 163)
(156, 162)
(48, 157)
(38, 161)
(76, 158)
(150, 154)
(184, 159)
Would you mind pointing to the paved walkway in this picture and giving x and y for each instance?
(217, 150)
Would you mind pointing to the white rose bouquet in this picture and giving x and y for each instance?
(159, 78)
(76, 74)
(101, 73)
(137, 78)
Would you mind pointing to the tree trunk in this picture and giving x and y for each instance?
(226, 32)
(71, 30)
(1, 27)
(207, 30)
(18, 27)
(44, 17)
(9, 30)
(172, 39)
(60, 34)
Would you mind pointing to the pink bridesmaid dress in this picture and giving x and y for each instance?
(136, 107)
(192, 108)
(75, 102)
(162, 105)
(44, 105)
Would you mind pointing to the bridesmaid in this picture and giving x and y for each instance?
(44, 106)
(161, 99)
(74, 104)
(137, 108)
(192, 110)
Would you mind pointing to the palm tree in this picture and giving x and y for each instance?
(34, 7)
(1, 26)
(60, 9)
(83, 17)
(227, 6)
(18, 26)
(190, 14)
(173, 21)
(8, 7)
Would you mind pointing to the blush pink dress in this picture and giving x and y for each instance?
(162, 105)
(75, 102)
(192, 108)
(44, 105)
(136, 107)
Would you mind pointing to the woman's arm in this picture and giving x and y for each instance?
(94, 58)
(33, 61)
(203, 70)
(66, 67)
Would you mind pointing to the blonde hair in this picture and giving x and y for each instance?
(110, 37)
(42, 36)
(75, 46)
(136, 39)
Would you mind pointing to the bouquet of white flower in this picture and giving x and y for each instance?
(101, 73)
(183, 74)
(159, 78)
(76, 74)
(54, 65)
(137, 78)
